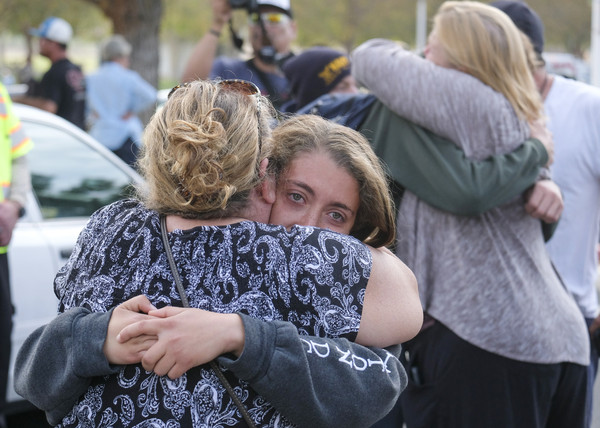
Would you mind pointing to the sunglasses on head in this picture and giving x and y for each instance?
(247, 88)
(243, 86)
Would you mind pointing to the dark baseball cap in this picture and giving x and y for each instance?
(525, 19)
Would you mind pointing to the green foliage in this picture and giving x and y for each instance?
(342, 23)
(18, 16)
(567, 24)
(186, 19)
(347, 23)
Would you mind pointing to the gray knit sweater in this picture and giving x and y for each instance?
(488, 277)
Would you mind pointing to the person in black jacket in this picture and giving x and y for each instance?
(62, 89)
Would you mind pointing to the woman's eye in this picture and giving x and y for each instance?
(336, 216)
(296, 197)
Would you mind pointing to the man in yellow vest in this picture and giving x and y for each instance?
(15, 182)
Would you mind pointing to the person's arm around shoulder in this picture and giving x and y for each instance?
(392, 311)
(57, 361)
(441, 92)
(374, 61)
(203, 55)
(439, 172)
(317, 381)
(336, 379)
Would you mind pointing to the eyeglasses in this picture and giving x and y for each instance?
(247, 88)
(272, 18)
(243, 86)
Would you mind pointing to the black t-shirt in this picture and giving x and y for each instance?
(64, 84)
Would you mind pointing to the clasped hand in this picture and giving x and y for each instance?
(170, 341)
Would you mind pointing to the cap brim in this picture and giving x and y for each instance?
(288, 12)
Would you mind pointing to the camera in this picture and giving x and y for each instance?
(249, 5)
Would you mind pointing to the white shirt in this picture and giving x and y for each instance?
(573, 110)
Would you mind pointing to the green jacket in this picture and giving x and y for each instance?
(438, 172)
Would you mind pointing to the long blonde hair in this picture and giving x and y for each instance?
(202, 151)
(482, 41)
(375, 220)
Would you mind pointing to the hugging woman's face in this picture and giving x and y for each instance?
(435, 53)
(314, 191)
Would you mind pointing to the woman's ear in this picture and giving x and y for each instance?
(268, 185)
(268, 190)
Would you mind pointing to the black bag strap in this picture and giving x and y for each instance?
(185, 302)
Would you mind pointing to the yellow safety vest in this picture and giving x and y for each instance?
(13, 143)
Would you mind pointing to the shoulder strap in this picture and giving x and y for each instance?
(174, 271)
(213, 365)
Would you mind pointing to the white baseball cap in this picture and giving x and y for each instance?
(281, 4)
(56, 29)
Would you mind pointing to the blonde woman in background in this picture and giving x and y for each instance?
(503, 343)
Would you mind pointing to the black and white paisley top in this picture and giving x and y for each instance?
(312, 277)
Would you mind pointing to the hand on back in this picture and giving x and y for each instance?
(540, 131)
(544, 201)
(132, 350)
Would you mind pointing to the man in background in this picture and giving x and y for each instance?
(15, 182)
(572, 109)
(272, 30)
(115, 95)
(62, 89)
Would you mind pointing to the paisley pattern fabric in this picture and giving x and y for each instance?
(312, 277)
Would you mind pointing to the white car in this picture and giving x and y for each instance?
(72, 176)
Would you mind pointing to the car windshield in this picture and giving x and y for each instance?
(69, 177)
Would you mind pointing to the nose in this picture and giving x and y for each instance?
(310, 218)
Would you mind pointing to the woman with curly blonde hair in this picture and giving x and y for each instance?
(503, 344)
